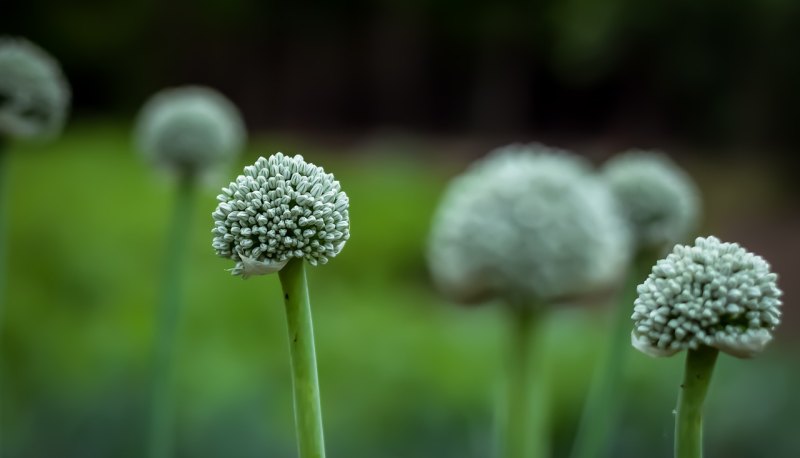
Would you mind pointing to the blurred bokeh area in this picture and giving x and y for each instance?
(395, 98)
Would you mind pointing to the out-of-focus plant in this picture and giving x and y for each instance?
(34, 102)
(533, 227)
(282, 213)
(709, 297)
(661, 206)
(189, 131)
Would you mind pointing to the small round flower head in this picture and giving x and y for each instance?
(712, 293)
(526, 224)
(281, 208)
(34, 95)
(659, 199)
(189, 129)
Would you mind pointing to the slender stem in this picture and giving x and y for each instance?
(689, 420)
(161, 432)
(307, 410)
(4, 218)
(520, 430)
(602, 405)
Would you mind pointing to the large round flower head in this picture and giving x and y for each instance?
(526, 224)
(281, 208)
(189, 129)
(712, 293)
(659, 199)
(34, 95)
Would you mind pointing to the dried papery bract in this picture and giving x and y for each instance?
(660, 204)
(190, 131)
(709, 297)
(531, 226)
(281, 213)
(34, 95)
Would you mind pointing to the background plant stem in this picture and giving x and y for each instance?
(604, 400)
(162, 408)
(5, 178)
(523, 429)
(307, 410)
(689, 418)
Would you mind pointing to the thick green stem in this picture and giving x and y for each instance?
(605, 393)
(307, 410)
(689, 418)
(162, 408)
(521, 431)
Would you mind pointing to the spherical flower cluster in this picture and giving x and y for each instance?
(281, 208)
(659, 199)
(527, 224)
(712, 293)
(189, 129)
(34, 95)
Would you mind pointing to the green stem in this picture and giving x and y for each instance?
(604, 399)
(521, 429)
(689, 419)
(307, 410)
(4, 217)
(4, 234)
(161, 427)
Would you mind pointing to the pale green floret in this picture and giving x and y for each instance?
(34, 95)
(712, 293)
(527, 224)
(659, 200)
(281, 208)
(189, 129)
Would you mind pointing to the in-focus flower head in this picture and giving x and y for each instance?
(189, 129)
(526, 224)
(659, 199)
(34, 95)
(281, 208)
(712, 293)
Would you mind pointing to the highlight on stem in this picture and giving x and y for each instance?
(532, 227)
(706, 298)
(660, 204)
(281, 213)
(189, 131)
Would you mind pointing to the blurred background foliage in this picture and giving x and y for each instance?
(394, 97)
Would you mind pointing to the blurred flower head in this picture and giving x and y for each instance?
(527, 224)
(189, 129)
(658, 199)
(712, 293)
(34, 95)
(281, 208)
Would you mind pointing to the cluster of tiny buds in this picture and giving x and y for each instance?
(713, 293)
(281, 208)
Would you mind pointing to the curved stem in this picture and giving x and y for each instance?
(604, 399)
(689, 419)
(161, 427)
(521, 430)
(305, 383)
